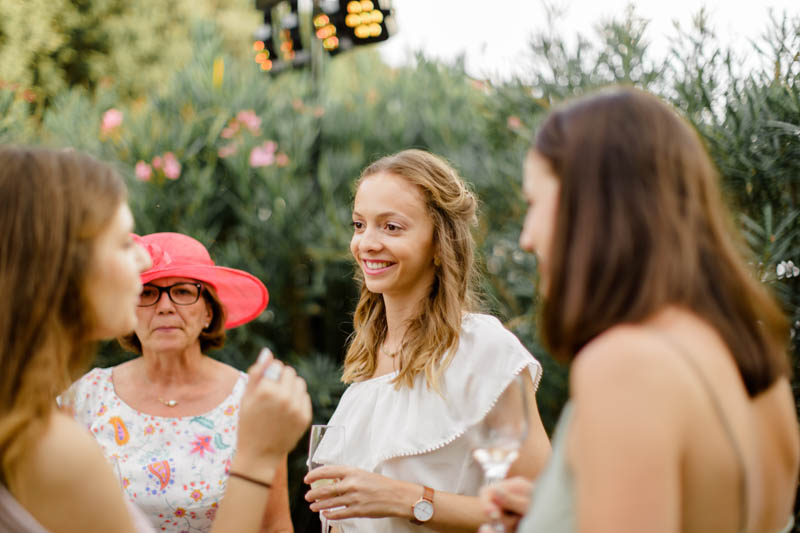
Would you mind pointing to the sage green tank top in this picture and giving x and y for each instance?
(552, 509)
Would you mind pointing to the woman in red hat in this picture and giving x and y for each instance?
(167, 420)
(70, 276)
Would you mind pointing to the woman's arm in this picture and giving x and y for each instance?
(369, 495)
(277, 518)
(261, 449)
(535, 451)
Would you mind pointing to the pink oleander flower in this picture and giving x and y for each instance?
(514, 122)
(112, 119)
(157, 162)
(250, 120)
(229, 131)
(281, 159)
(143, 171)
(479, 84)
(228, 150)
(263, 155)
(172, 168)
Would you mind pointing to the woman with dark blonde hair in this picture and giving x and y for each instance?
(69, 274)
(681, 416)
(423, 365)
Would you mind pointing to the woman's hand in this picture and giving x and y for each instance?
(358, 494)
(508, 500)
(267, 404)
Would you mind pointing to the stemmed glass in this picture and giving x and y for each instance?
(325, 447)
(499, 436)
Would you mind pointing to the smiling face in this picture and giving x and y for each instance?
(393, 237)
(113, 280)
(168, 327)
(541, 190)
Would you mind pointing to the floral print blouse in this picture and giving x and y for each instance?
(173, 469)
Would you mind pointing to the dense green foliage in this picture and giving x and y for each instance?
(48, 46)
(267, 164)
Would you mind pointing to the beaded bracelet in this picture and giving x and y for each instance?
(250, 479)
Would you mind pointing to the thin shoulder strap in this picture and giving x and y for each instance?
(726, 425)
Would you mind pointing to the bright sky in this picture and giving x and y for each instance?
(495, 33)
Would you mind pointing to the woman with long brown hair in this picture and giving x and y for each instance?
(69, 275)
(424, 366)
(680, 416)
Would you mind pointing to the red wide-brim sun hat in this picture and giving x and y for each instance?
(178, 255)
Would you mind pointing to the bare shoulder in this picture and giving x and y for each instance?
(66, 470)
(64, 449)
(626, 360)
(625, 432)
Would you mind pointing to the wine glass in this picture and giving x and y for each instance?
(325, 447)
(498, 437)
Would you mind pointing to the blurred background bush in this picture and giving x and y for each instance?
(260, 168)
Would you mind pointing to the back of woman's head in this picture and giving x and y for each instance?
(53, 204)
(434, 331)
(641, 224)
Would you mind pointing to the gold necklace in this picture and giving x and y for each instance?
(168, 403)
(390, 355)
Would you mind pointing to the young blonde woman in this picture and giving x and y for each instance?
(69, 275)
(681, 416)
(424, 367)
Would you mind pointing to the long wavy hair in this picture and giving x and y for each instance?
(431, 337)
(53, 205)
(641, 224)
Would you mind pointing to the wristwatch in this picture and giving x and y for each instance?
(423, 508)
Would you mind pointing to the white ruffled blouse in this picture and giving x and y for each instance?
(422, 436)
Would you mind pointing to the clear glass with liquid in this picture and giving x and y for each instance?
(325, 447)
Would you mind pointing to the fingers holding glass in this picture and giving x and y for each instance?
(325, 447)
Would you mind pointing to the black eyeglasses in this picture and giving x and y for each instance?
(184, 293)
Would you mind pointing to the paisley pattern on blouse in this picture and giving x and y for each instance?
(173, 469)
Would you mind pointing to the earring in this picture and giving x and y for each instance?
(436, 261)
(207, 324)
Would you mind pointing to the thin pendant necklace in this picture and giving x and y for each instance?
(390, 355)
(168, 403)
